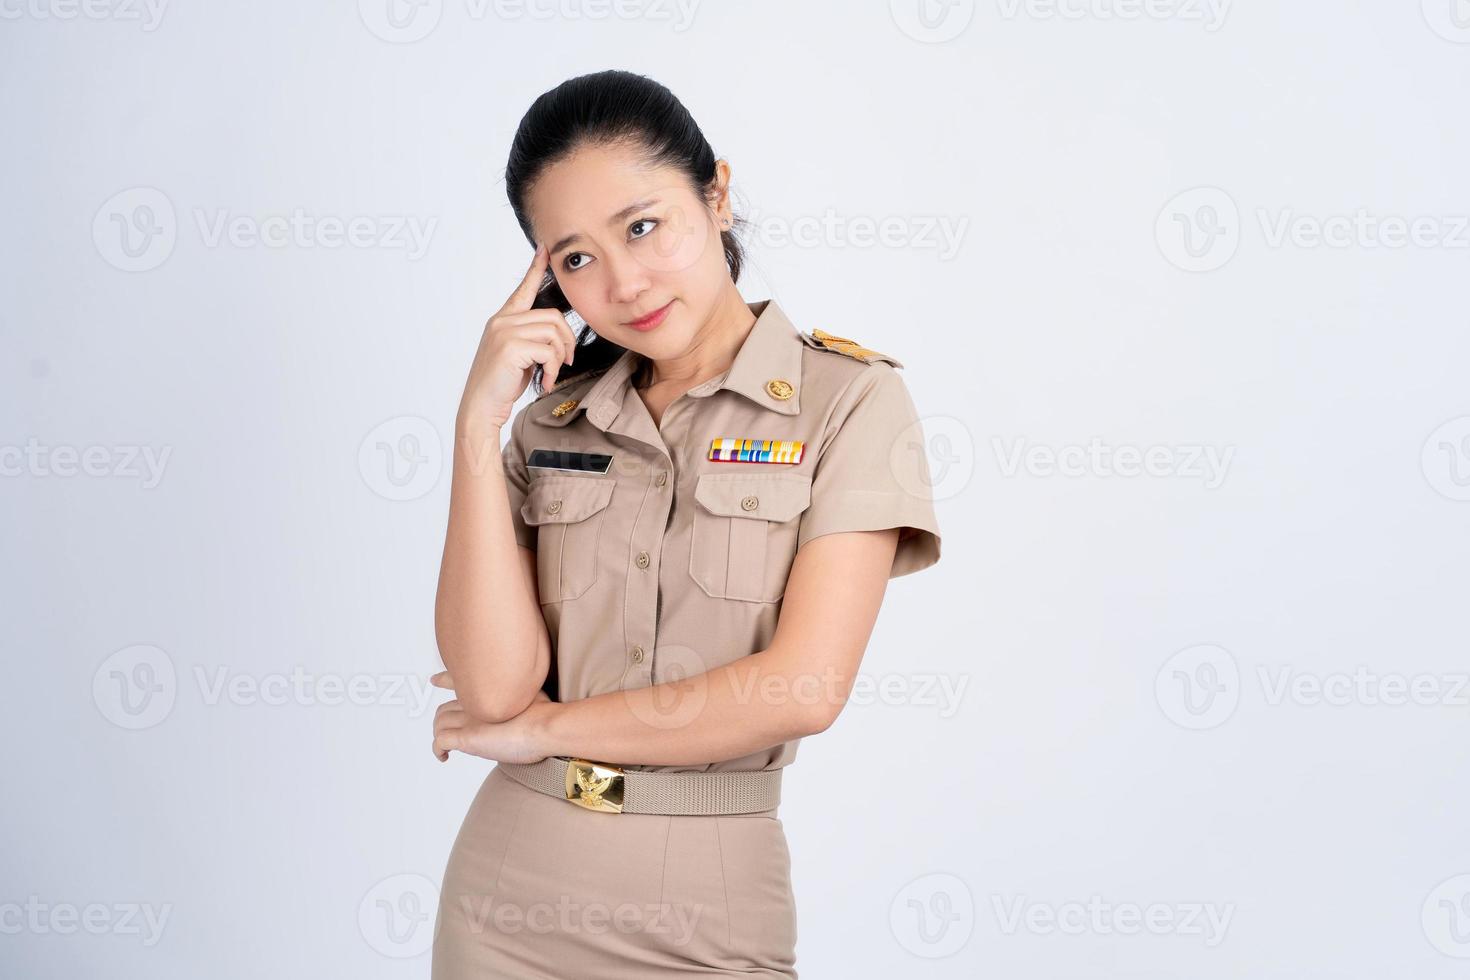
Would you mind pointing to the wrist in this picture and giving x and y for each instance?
(540, 718)
(475, 415)
(476, 441)
(469, 421)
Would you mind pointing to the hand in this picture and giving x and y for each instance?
(508, 741)
(516, 339)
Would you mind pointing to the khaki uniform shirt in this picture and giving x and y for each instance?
(656, 562)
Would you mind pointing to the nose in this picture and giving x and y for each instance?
(627, 277)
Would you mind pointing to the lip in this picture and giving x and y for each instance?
(653, 319)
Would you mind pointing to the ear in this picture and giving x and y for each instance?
(724, 213)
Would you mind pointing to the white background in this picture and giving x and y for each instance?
(1178, 693)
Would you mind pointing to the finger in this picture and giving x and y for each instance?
(525, 293)
(571, 337)
(442, 679)
(445, 743)
(545, 325)
(547, 354)
(447, 708)
(552, 366)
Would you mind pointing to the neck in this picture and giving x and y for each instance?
(714, 348)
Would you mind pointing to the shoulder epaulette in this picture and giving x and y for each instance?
(823, 340)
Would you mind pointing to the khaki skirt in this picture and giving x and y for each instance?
(539, 887)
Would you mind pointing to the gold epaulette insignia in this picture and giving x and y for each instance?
(844, 345)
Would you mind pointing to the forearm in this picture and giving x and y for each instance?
(488, 626)
(725, 713)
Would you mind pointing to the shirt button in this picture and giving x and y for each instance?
(554, 507)
(662, 479)
(750, 503)
(642, 559)
(638, 655)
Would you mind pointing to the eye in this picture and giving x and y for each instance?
(651, 223)
(567, 262)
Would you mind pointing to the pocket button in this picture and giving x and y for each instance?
(750, 503)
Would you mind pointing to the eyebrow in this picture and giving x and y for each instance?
(622, 215)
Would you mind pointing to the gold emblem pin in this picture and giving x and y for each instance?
(564, 407)
(779, 389)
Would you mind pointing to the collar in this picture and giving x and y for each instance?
(772, 351)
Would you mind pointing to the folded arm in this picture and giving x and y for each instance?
(487, 615)
(795, 687)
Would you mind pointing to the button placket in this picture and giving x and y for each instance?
(641, 630)
(677, 419)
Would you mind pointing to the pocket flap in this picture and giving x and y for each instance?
(565, 499)
(764, 496)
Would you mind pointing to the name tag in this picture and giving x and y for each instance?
(550, 459)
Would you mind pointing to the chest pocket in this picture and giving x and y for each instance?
(568, 512)
(744, 533)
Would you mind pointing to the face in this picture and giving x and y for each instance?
(627, 242)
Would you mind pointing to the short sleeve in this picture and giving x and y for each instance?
(873, 472)
(517, 480)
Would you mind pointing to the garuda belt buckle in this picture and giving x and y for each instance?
(595, 786)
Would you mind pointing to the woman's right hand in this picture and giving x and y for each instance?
(516, 339)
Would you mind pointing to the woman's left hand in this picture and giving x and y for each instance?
(507, 741)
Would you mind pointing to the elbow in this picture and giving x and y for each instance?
(822, 710)
(819, 717)
(812, 703)
(490, 707)
(492, 699)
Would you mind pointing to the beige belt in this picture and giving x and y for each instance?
(609, 789)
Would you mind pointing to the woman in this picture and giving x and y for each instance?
(685, 539)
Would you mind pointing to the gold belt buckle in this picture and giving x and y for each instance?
(595, 786)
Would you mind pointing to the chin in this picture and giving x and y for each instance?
(662, 345)
(658, 344)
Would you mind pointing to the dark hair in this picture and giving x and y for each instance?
(607, 108)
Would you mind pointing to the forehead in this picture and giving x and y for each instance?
(580, 193)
